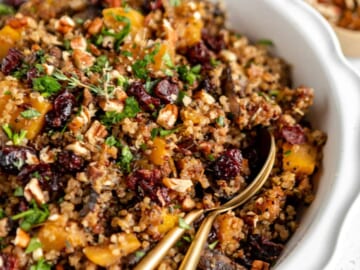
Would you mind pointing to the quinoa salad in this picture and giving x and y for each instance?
(117, 118)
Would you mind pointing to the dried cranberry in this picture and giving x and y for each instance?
(41, 171)
(10, 262)
(31, 74)
(228, 165)
(167, 91)
(151, 5)
(15, 3)
(262, 248)
(69, 162)
(11, 61)
(198, 54)
(147, 102)
(293, 134)
(12, 158)
(215, 43)
(148, 183)
(63, 106)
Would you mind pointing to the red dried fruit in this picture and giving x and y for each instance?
(228, 165)
(69, 162)
(63, 106)
(151, 5)
(11, 61)
(10, 262)
(12, 158)
(146, 101)
(263, 249)
(293, 134)
(198, 54)
(14, 3)
(167, 91)
(148, 183)
(214, 43)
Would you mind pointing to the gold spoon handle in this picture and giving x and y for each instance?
(153, 258)
(193, 254)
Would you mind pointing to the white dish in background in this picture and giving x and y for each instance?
(303, 38)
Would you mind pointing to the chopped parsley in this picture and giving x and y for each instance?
(33, 216)
(286, 153)
(41, 265)
(46, 85)
(126, 53)
(175, 3)
(167, 60)
(19, 192)
(265, 42)
(34, 244)
(274, 93)
(214, 62)
(112, 141)
(140, 69)
(6, 9)
(149, 85)
(120, 36)
(220, 121)
(100, 64)
(187, 238)
(2, 213)
(183, 224)
(213, 244)
(139, 254)
(189, 75)
(131, 109)
(161, 132)
(126, 158)
(211, 157)
(17, 138)
(30, 113)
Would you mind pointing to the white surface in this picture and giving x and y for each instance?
(303, 38)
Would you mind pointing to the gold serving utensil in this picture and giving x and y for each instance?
(192, 257)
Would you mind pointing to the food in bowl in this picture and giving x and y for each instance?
(343, 13)
(119, 118)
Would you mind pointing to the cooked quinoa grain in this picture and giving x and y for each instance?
(118, 118)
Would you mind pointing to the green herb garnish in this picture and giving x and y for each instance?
(189, 75)
(126, 158)
(19, 192)
(183, 224)
(46, 85)
(175, 3)
(213, 244)
(140, 254)
(162, 132)
(140, 69)
(33, 216)
(220, 121)
(131, 109)
(287, 153)
(6, 9)
(34, 244)
(41, 265)
(265, 42)
(126, 53)
(120, 36)
(17, 138)
(30, 113)
(100, 64)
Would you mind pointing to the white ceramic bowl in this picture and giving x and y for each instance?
(302, 37)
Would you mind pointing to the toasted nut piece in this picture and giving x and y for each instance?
(78, 43)
(95, 26)
(79, 149)
(205, 97)
(22, 239)
(17, 22)
(4, 228)
(83, 59)
(64, 25)
(81, 121)
(188, 204)
(33, 191)
(178, 184)
(97, 132)
(167, 116)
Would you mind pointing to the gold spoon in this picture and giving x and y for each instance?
(192, 257)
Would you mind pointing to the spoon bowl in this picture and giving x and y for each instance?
(153, 258)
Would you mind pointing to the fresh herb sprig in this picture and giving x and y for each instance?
(17, 138)
(131, 109)
(33, 216)
(140, 69)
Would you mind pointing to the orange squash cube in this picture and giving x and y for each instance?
(299, 158)
(136, 19)
(8, 38)
(159, 151)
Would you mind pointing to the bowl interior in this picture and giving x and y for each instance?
(259, 20)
